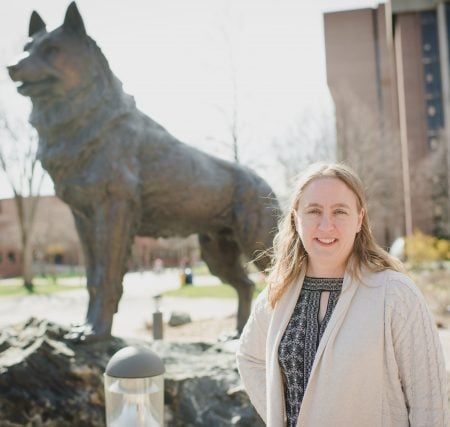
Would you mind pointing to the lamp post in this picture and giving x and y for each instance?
(134, 388)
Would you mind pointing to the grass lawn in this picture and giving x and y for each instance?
(43, 286)
(212, 291)
(201, 269)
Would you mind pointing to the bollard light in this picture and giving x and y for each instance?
(134, 388)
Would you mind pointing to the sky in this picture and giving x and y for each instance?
(173, 56)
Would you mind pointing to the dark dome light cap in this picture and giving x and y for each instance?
(135, 362)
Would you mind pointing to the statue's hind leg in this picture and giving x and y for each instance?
(223, 257)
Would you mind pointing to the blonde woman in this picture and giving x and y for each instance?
(341, 337)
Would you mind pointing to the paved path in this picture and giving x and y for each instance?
(136, 306)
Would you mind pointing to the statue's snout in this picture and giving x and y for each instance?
(13, 69)
(16, 64)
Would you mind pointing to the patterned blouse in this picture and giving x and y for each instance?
(299, 343)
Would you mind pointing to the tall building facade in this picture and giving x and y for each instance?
(388, 73)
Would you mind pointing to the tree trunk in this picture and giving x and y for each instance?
(27, 265)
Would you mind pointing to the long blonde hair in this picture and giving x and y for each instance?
(289, 255)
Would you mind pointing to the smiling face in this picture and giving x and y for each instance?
(327, 219)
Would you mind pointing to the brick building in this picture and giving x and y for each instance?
(55, 242)
(388, 73)
(54, 238)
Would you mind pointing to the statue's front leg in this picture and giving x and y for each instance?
(107, 238)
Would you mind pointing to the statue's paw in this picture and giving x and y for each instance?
(80, 327)
(84, 334)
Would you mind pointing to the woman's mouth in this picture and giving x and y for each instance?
(326, 242)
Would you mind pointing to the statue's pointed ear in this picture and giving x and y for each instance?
(36, 24)
(73, 20)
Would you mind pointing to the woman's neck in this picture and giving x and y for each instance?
(325, 273)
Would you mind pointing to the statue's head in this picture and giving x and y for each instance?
(55, 63)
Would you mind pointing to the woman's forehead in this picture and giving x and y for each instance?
(327, 191)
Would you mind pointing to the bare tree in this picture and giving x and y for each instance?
(231, 113)
(236, 114)
(19, 164)
(429, 182)
(356, 137)
(310, 138)
(372, 148)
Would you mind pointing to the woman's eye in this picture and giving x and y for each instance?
(313, 212)
(340, 212)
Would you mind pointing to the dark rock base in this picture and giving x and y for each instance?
(46, 381)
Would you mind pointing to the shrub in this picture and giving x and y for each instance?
(420, 247)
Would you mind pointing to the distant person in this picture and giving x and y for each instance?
(187, 276)
(341, 337)
(158, 266)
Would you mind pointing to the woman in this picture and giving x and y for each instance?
(341, 337)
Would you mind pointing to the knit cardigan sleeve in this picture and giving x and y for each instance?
(251, 354)
(418, 354)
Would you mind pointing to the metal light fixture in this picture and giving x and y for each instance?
(134, 388)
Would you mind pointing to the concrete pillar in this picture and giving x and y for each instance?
(445, 81)
(403, 132)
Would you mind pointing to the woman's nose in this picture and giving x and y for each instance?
(326, 222)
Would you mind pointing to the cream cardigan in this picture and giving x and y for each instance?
(378, 364)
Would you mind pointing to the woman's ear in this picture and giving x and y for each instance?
(360, 219)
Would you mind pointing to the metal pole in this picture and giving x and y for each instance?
(157, 319)
(157, 325)
(445, 81)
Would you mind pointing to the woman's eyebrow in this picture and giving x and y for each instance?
(340, 205)
(336, 205)
(309, 205)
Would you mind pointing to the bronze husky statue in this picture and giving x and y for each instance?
(122, 174)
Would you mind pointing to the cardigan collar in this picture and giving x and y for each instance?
(278, 324)
(348, 291)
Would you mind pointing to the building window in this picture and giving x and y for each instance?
(12, 257)
(433, 143)
(432, 74)
(59, 259)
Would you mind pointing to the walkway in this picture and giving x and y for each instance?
(136, 306)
